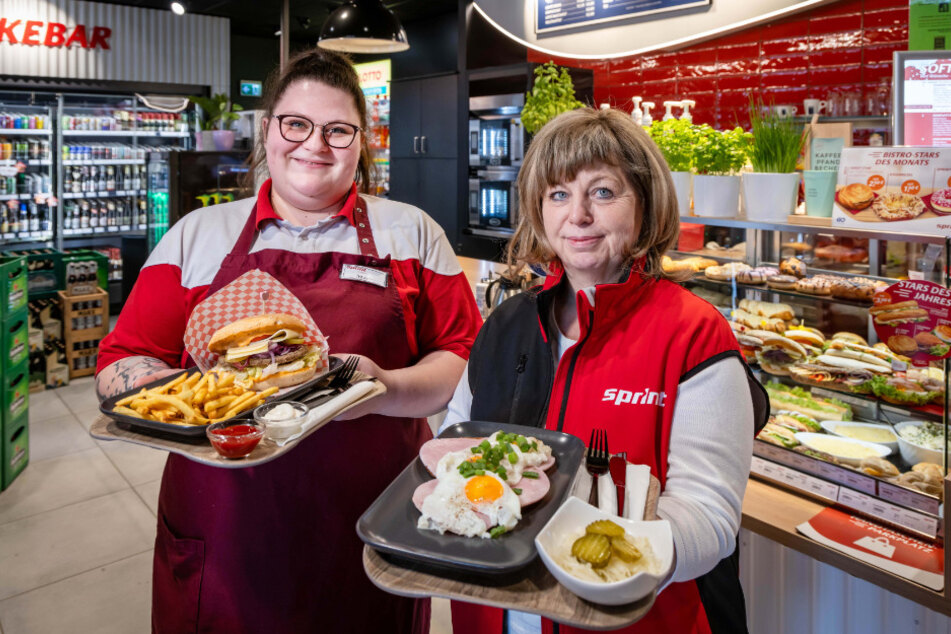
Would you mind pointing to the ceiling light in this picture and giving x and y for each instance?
(178, 8)
(363, 26)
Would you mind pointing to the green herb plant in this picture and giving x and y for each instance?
(720, 153)
(777, 141)
(219, 111)
(676, 139)
(552, 93)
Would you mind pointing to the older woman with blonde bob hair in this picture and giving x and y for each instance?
(608, 342)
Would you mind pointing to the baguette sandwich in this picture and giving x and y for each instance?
(796, 399)
(898, 313)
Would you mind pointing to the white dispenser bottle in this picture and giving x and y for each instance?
(668, 105)
(646, 119)
(687, 105)
(637, 114)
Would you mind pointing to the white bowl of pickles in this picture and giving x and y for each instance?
(604, 558)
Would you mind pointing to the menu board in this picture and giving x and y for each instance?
(552, 15)
(926, 114)
(894, 189)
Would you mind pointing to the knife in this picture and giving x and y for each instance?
(618, 467)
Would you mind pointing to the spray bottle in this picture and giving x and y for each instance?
(687, 105)
(668, 105)
(646, 120)
(637, 114)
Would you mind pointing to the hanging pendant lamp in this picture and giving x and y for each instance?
(363, 26)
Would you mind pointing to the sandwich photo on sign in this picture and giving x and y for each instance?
(913, 318)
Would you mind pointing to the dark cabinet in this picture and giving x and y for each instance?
(424, 117)
(425, 131)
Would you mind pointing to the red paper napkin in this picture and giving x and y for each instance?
(254, 293)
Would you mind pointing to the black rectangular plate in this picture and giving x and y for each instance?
(198, 431)
(389, 525)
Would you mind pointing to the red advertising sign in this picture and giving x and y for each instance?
(890, 550)
(53, 34)
(913, 318)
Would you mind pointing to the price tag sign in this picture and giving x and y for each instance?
(99, 230)
(857, 481)
(112, 229)
(906, 497)
(125, 228)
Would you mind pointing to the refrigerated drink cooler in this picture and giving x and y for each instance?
(181, 182)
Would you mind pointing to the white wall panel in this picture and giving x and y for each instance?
(790, 593)
(145, 45)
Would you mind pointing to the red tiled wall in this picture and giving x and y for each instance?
(843, 47)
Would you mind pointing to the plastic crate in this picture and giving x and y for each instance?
(102, 263)
(13, 284)
(44, 270)
(14, 340)
(15, 394)
(14, 449)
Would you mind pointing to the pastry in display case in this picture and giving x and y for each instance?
(857, 418)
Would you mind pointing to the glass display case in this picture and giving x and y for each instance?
(853, 421)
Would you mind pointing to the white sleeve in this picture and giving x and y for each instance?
(461, 404)
(711, 447)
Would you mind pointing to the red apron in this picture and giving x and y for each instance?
(274, 548)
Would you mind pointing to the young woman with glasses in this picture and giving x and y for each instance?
(273, 548)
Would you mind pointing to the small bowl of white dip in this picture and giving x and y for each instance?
(869, 432)
(281, 420)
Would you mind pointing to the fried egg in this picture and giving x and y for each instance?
(470, 506)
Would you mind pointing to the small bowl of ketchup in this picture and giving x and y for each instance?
(235, 439)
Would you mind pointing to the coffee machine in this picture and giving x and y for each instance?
(496, 150)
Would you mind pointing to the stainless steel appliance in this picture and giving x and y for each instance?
(493, 198)
(496, 136)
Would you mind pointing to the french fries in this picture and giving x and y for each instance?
(192, 399)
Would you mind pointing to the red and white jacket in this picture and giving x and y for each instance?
(438, 306)
(659, 369)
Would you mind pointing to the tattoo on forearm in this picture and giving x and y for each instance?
(123, 375)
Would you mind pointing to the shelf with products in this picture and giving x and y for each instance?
(900, 487)
(105, 162)
(16, 132)
(118, 193)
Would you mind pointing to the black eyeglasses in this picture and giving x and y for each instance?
(297, 129)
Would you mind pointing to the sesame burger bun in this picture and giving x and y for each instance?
(778, 353)
(943, 332)
(902, 344)
(243, 331)
(851, 337)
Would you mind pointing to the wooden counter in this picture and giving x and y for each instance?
(774, 513)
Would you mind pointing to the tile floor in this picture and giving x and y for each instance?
(77, 527)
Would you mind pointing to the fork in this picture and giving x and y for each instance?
(596, 461)
(338, 383)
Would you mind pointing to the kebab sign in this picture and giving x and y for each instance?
(913, 317)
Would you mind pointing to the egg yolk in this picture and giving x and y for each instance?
(483, 489)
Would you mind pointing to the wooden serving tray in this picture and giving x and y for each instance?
(200, 450)
(533, 590)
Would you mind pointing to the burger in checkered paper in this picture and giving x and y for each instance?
(258, 330)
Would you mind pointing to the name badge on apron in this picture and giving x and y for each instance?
(364, 274)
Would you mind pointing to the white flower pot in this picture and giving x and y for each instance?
(770, 197)
(682, 185)
(716, 196)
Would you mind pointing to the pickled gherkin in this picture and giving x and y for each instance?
(604, 527)
(592, 549)
(625, 549)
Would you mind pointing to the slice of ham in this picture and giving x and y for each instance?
(433, 450)
(532, 490)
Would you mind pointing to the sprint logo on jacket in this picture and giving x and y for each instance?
(644, 397)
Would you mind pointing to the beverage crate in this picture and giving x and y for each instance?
(82, 352)
(44, 270)
(14, 340)
(85, 270)
(15, 394)
(14, 449)
(13, 284)
(85, 323)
